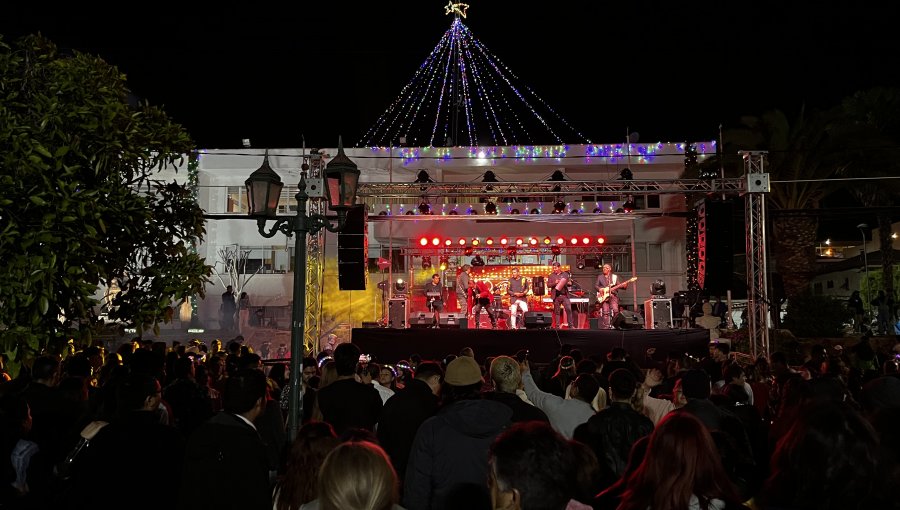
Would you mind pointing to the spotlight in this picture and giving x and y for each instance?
(586, 240)
(489, 241)
(448, 242)
(560, 241)
(580, 262)
(477, 261)
(475, 241)
(534, 211)
(489, 177)
(468, 250)
(462, 241)
(383, 213)
(436, 242)
(410, 213)
(503, 241)
(472, 212)
(423, 177)
(625, 174)
(598, 210)
(533, 241)
(559, 206)
(423, 241)
(573, 241)
(519, 241)
(424, 208)
(547, 240)
(574, 211)
(426, 262)
(515, 211)
(400, 286)
(490, 208)
(601, 240)
(658, 288)
(557, 176)
(555, 249)
(453, 213)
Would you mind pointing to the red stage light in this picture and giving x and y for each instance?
(586, 240)
(555, 249)
(560, 241)
(462, 241)
(448, 242)
(504, 241)
(489, 241)
(423, 241)
(519, 241)
(547, 240)
(436, 241)
(533, 241)
(574, 241)
(600, 240)
(475, 241)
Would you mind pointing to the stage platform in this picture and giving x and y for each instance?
(391, 345)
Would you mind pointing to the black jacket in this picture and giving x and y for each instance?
(611, 433)
(401, 417)
(522, 411)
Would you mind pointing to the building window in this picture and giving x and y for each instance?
(654, 257)
(235, 202)
(817, 288)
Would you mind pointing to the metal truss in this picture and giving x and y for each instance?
(606, 249)
(315, 262)
(757, 277)
(385, 192)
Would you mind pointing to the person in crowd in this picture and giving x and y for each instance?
(618, 358)
(227, 309)
(718, 356)
(187, 401)
(610, 497)
(356, 476)
(532, 466)
(856, 306)
(448, 459)
(404, 412)
(17, 454)
(506, 377)
(681, 470)
(388, 377)
(307, 453)
(346, 403)
(369, 374)
(244, 313)
(565, 374)
(225, 465)
(564, 414)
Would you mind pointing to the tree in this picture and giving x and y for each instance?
(83, 200)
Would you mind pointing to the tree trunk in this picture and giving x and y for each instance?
(886, 245)
(795, 251)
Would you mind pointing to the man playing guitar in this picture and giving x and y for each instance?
(517, 289)
(608, 286)
(557, 285)
(434, 298)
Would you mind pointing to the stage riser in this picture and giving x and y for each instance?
(392, 345)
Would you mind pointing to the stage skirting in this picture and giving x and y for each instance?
(391, 345)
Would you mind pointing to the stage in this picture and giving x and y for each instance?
(391, 345)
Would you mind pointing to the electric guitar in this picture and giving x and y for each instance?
(604, 292)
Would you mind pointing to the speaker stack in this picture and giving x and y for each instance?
(715, 245)
(353, 250)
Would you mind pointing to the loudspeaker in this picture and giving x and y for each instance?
(398, 317)
(627, 320)
(538, 320)
(658, 314)
(353, 250)
(715, 245)
(595, 322)
(422, 320)
(453, 320)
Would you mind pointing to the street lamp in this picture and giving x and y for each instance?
(263, 192)
(862, 227)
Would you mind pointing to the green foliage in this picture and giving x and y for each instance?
(811, 316)
(83, 202)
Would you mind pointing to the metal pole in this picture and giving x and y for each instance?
(300, 228)
(865, 251)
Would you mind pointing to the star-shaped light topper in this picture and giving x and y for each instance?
(457, 9)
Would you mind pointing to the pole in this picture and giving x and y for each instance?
(865, 251)
(300, 228)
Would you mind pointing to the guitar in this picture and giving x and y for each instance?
(604, 292)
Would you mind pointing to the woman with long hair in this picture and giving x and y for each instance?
(314, 442)
(680, 471)
(356, 476)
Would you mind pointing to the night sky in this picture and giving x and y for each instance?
(273, 72)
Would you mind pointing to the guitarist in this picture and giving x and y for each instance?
(608, 283)
(557, 284)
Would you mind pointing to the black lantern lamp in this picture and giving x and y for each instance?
(263, 190)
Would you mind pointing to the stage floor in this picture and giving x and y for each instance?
(391, 345)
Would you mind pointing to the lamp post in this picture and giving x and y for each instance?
(862, 227)
(263, 192)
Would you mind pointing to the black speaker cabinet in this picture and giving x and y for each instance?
(658, 314)
(595, 322)
(422, 320)
(627, 320)
(353, 250)
(538, 320)
(715, 245)
(398, 316)
(453, 320)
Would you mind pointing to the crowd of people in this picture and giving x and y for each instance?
(195, 426)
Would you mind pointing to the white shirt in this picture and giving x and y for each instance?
(384, 392)
(245, 420)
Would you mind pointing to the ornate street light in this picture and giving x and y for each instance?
(263, 192)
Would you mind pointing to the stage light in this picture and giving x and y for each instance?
(598, 210)
(424, 208)
(468, 250)
(519, 241)
(444, 260)
(658, 288)
(489, 241)
(454, 212)
(490, 208)
(504, 241)
(436, 241)
(426, 262)
(601, 240)
(547, 240)
(400, 286)
(462, 241)
(580, 262)
(410, 213)
(559, 206)
(477, 261)
(574, 211)
(586, 240)
(573, 241)
(535, 211)
(423, 241)
(511, 251)
(560, 241)
(555, 249)
(423, 177)
(489, 177)
(533, 241)
(515, 211)
(475, 241)
(383, 213)
(625, 174)
(448, 242)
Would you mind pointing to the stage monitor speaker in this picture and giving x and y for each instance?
(658, 314)
(627, 320)
(398, 316)
(538, 320)
(715, 245)
(595, 322)
(422, 320)
(353, 250)
(453, 320)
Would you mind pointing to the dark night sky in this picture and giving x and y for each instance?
(273, 71)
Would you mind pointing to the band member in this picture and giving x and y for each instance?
(462, 289)
(608, 283)
(481, 298)
(434, 298)
(556, 284)
(517, 289)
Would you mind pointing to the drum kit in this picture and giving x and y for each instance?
(536, 298)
